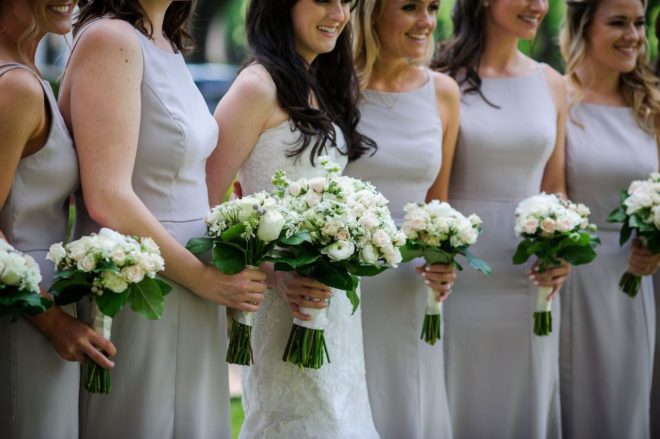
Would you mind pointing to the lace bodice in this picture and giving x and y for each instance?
(282, 400)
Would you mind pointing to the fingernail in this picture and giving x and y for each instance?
(531, 277)
(427, 282)
(536, 282)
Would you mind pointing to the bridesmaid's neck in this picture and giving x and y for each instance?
(156, 10)
(500, 57)
(599, 85)
(396, 75)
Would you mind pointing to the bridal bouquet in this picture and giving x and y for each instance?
(240, 233)
(552, 229)
(639, 211)
(19, 284)
(438, 233)
(339, 228)
(112, 269)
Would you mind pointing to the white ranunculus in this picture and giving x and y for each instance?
(133, 274)
(270, 226)
(312, 198)
(317, 184)
(368, 254)
(295, 188)
(340, 250)
(87, 263)
(56, 253)
(113, 282)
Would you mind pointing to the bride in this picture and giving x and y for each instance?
(295, 100)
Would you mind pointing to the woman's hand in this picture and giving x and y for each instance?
(552, 277)
(641, 261)
(73, 339)
(299, 291)
(243, 291)
(439, 277)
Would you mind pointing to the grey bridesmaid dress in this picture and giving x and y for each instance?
(170, 378)
(405, 375)
(502, 380)
(38, 389)
(607, 338)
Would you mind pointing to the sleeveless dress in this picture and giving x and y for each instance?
(170, 378)
(502, 380)
(38, 389)
(607, 338)
(405, 375)
(282, 400)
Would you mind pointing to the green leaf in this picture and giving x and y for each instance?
(434, 255)
(298, 261)
(228, 259)
(522, 254)
(626, 231)
(297, 238)
(280, 266)
(578, 255)
(146, 299)
(165, 288)
(333, 275)
(352, 295)
(233, 233)
(618, 215)
(110, 303)
(71, 288)
(411, 250)
(477, 263)
(364, 270)
(199, 246)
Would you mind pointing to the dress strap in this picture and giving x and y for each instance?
(4, 68)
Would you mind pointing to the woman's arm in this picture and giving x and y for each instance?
(103, 82)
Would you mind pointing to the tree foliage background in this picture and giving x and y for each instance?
(232, 15)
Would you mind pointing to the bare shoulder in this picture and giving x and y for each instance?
(555, 80)
(446, 88)
(21, 95)
(108, 37)
(256, 83)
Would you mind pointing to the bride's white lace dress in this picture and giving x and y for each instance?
(282, 400)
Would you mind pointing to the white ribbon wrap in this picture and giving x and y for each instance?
(433, 307)
(101, 323)
(244, 317)
(542, 302)
(319, 318)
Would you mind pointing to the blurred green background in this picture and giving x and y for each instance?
(221, 38)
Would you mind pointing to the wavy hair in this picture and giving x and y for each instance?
(460, 55)
(32, 31)
(174, 26)
(638, 87)
(331, 78)
(366, 45)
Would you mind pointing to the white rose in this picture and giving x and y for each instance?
(312, 198)
(150, 245)
(408, 231)
(113, 282)
(564, 224)
(133, 274)
(369, 220)
(295, 188)
(317, 184)
(467, 234)
(340, 250)
(87, 263)
(56, 253)
(270, 226)
(77, 249)
(118, 256)
(14, 266)
(110, 234)
(369, 254)
(341, 235)
(392, 256)
(380, 238)
(475, 220)
(548, 225)
(530, 226)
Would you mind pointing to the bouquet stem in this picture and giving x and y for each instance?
(240, 346)
(96, 379)
(543, 314)
(306, 346)
(630, 284)
(433, 318)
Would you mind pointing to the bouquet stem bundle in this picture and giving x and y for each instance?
(96, 379)
(239, 350)
(306, 346)
(543, 314)
(432, 319)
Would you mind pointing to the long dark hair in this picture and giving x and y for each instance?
(460, 55)
(174, 25)
(331, 78)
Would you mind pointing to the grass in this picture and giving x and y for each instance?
(236, 410)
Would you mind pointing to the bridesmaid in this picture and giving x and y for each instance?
(143, 134)
(655, 389)
(411, 112)
(607, 338)
(296, 99)
(502, 380)
(38, 171)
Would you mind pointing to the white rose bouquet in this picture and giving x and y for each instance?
(552, 229)
(639, 211)
(240, 233)
(438, 233)
(339, 228)
(112, 270)
(19, 284)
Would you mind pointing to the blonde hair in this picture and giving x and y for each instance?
(32, 31)
(638, 87)
(366, 45)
